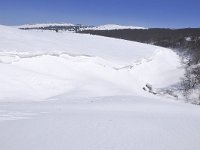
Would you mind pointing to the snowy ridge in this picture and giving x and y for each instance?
(113, 27)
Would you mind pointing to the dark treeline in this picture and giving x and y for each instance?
(185, 40)
(173, 38)
(57, 28)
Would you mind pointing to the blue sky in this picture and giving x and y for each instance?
(147, 13)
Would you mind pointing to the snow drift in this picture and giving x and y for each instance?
(50, 64)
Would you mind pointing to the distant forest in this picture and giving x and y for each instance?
(186, 41)
(57, 28)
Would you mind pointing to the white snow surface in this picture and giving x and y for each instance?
(101, 123)
(74, 91)
(50, 64)
(113, 27)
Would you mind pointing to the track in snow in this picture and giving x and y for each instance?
(119, 122)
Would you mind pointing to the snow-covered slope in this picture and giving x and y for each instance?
(50, 64)
(113, 27)
(92, 92)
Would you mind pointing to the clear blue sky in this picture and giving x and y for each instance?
(147, 13)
